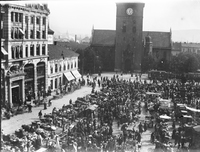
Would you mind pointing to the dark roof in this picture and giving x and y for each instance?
(73, 45)
(176, 46)
(159, 39)
(56, 51)
(103, 38)
(50, 31)
(107, 38)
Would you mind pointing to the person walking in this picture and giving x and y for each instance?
(40, 114)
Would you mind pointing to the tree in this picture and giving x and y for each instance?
(185, 62)
(148, 63)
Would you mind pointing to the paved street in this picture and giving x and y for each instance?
(14, 123)
(9, 126)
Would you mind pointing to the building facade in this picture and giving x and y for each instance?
(25, 34)
(129, 46)
(62, 66)
(179, 47)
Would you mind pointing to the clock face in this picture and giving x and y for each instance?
(129, 11)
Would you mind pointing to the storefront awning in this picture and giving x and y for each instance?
(4, 51)
(69, 76)
(76, 74)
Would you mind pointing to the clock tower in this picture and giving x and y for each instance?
(129, 45)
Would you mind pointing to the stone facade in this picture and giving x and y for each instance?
(129, 46)
(25, 34)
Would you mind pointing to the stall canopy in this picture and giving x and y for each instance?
(165, 117)
(76, 74)
(69, 76)
(92, 107)
(153, 93)
(192, 109)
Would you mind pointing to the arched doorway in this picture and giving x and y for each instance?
(41, 78)
(29, 81)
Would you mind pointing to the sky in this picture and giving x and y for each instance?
(80, 16)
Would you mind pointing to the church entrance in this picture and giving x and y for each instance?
(127, 66)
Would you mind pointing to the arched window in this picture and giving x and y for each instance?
(64, 68)
(75, 65)
(68, 66)
(12, 33)
(13, 52)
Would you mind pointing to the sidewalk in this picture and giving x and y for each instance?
(15, 123)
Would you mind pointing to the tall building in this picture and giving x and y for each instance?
(129, 45)
(25, 34)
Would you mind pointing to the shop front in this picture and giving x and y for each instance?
(76, 74)
(41, 79)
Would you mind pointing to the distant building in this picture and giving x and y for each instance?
(179, 47)
(62, 65)
(103, 43)
(85, 40)
(25, 34)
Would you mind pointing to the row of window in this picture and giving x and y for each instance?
(18, 18)
(17, 51)
(17, 33)
(58, 68)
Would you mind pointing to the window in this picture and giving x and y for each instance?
(56, 67)
(16, 17)
(38, 34)
(12, 33)
(60, 67)
(32, 19)
(31, 34)
(64, 68)
(13, 52)
(16, 34)
(26, 33)
(12, 16)
(124, 27)
(38, 20)
(43, 34)
(32, 50)
(56, 83)
(51, 69)
(26, 19)
(43, 49)
(17, 52)
(26, 50)
(20, 17)
(51, 84)
(68, 66)
(75, 65)
(21, 33)
(21, 52)
(72, 66)
(44, 21)
(38, 50)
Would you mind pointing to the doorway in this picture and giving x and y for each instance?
(16, 95)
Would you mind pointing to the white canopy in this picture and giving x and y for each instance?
(192, 109)
(165, 117)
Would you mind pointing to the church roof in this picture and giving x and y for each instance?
(107, 38)
(103, 38)
(159, 39)
(59, 51)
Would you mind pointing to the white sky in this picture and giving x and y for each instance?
(79, 16)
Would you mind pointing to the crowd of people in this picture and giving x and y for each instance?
(90, 123)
